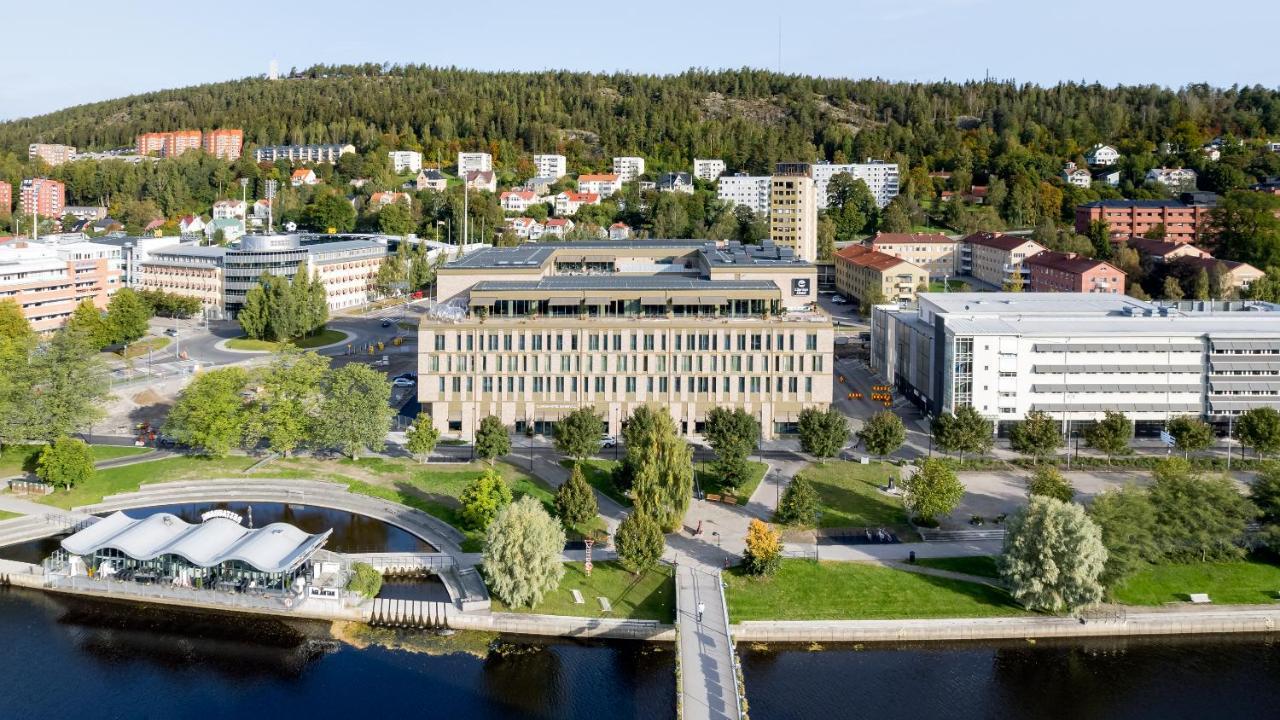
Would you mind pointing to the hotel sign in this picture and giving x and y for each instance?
(800, 287)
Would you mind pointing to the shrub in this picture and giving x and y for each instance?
(365, 580)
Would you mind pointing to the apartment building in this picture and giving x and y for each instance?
(225, 143)
(6, 198)
(328, 153)
(793, 210)
(709, 170)
(517, 200)
(749, 190)
(474, 162)
(867, 276)
(938, 254)
(169, 144)
(603, 185)
(1076, 356)
(881, 178)
(628, 169)
(994, 258)
(568, 202)
(1071, 273)
(550, 166)
(1183, 219)
(52, 154)
(48, 281)
(532, 333)
(43, 197)
(405, 161)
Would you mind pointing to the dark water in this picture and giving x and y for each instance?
(69, 658)
(427, 588)
(1200, 678)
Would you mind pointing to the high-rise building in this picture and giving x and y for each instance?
(749, 190)
(708, 170)
(628, 168)
(405, 160)
(169, 144)
(44, 197)
(881, 179)
(6, 198)
(552, 166)
(474, 162)
(224, 143)
(53, 155)
(793, 210)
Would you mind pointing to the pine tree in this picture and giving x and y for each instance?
(575, 501)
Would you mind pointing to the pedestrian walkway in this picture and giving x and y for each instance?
(709, 680)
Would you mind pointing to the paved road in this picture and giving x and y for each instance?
(710, 686)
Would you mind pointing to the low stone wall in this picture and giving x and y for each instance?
(21, 574)
(1226, 619)
(564, 626)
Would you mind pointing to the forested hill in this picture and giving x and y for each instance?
(750, 118)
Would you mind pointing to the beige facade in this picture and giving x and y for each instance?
(793, 214)
(186, 275)
(994, 258)
(936, 253)
(48, 283)
(867, 276)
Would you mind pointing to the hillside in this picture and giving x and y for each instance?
(750, 118)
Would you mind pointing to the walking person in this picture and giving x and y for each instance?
(701, 608)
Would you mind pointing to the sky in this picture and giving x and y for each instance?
(58, 53)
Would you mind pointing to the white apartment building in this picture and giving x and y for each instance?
(405, 160)
(1078, 355)
(708, 170)
(881, 178)
(552, 166)
(628, 169)
(229, 210)
(474, 162)
(302, 153)
(602, 185)
(749, 190)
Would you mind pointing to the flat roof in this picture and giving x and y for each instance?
(531, 255)
(598, 282)
(1031, 302)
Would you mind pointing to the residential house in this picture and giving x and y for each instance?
(602, 185)
(517, 200)
(709, 170)
(995, 258)
(1079, 177)
(1238, 275)
(676, 182)
(303, 176)
(261, 211)
(431, 179)
(557, 227)
(1071, 273)
(1176, 179)
(935, 252)
(568, 202)
(233, 209)
(540, 185)
(80, 212)
(525, 227)
(1101, 156)
(619, 231)
(190, 224)
(1164, 250)
(482, 180)
(871, 277)
(1107, 176)
(405, 161)
(628, 169)
(384, 198)
(110, 225)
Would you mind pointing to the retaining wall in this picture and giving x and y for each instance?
(562, 626)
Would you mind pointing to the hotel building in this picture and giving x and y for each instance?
(532, 333)
(793, 210)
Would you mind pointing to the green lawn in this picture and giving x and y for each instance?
(711, 482)
(951, 286)
(979, 565)
(322, 338)
(143, 346)
(599, 475)
(1245, 582)
(850, 497)
(805, 590)
(6, 515)
(651, 596)
(16, 459)
(129, 477)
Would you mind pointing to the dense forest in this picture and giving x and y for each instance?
(1012, 138)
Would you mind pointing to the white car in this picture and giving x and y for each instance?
(608, 441)
(838, 299)
(403, 382)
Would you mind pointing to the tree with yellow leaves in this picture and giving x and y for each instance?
(764, 548)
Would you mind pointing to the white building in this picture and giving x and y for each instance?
(708, 170)
(1176, 179)
(483, 180)
(525, 227)
(619, 231)
(405, 160)
(517, 200)
(602, 185)
(881, 178)
(1101, 155)
(557, 227)
(303, 153)
(1078, 355)
(568, 202)
(749, 190)
(628, 169)
(229, 210)
(473, 162)
(552, 166)
(1079, 177)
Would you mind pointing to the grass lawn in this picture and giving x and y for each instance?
(805, 590)
(651, 596)
(6, 515)
(16, 459)
(849, 496)
(324, 337)
(129, 477)
(1244, 582)
(951, 286)
(432, 490)
(143, 346)
(979, 565)
(711, 482)
(599, 475)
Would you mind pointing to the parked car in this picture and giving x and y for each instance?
(171, 332)
(838, 299)
(386, 322)
(608, 441)
(407, 376)
(403, 382)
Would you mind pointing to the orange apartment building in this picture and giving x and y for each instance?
(6, 198)
(225, 144)
(43, 197)
(1068, 272)
(1183, 219)
(49, 282)
(169, 144)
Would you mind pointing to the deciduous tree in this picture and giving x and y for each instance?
(799, 504)
(70, 385)
(883, 433)
(1053, 556)
(964, 431)
(575, 501)
(1047, 481)
(492, 439)
(823, 432)
(1038, 435)
(932, 490)
(1111, 434)
(1197, 518)
(356, 413)
(65, 463)
(577, 435)
(639, 542)
(763, 552)
(483, 498)
(1127, 520)
(1190, 434)
(421, 438)
(522, 553)
(1259, 428)
(209, 414)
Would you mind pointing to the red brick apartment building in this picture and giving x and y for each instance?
(44, 197)
(1068, 272)
(1183, 219)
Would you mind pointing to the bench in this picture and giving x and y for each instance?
(1200, 598)
(712, 497)
(577, 597)
(605, 605)
(729, 500)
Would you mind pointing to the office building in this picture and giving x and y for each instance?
(866, 276)
(405, 161)
(749, 190)
(474, 162)
(224, 143)
(52, 154)
(43, 197)
(550, 166)
(708, 170)
(532, 333)
(629, 169)
(48, 281)
(1078, 355)
(881, 179)
(793, 210)
(302, 153)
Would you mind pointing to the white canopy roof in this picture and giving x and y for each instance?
(278, 547)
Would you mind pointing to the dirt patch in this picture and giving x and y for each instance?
(149, 397)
